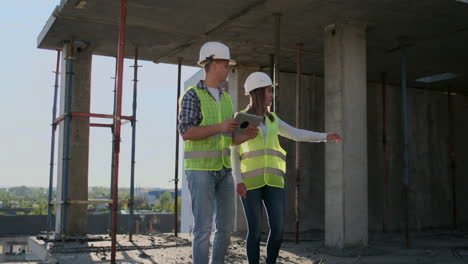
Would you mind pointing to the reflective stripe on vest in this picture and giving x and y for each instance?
(211, 153)
(260, 172)
(206, 154)
(261, 152)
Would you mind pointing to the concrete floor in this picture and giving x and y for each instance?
(427, 247)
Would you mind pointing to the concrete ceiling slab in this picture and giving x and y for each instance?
(437, 31)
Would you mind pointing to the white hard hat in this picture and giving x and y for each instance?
(214, 50)
(257, 80)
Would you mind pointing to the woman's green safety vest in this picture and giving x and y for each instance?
(263, 162)
(210, 153)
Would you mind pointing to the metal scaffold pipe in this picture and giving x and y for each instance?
(385, 150)
(133, 122)
(452, 157)
(118, 125)
(52, 145)
(405, 179)
(272, 66)
(298, 123)
(111, 193)
(176, 176)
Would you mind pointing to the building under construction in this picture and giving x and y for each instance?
(389, 76)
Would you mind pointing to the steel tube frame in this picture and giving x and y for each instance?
(132, 169)
(385, 150)
(112, 149)
(100, 125)
(176, 169)
(52, 146)
(81, 114)
(272, 65)
(298, 123)
(405, 179)
(118, 124)
(451, 154)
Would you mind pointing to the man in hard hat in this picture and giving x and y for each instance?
(206, 125)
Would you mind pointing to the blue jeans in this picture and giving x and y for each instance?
(211, 192)
(273, 200)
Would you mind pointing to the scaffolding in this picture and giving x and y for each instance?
(66, 117)
(116, 117)
(115, 126)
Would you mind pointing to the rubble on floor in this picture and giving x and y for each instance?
(429, 247)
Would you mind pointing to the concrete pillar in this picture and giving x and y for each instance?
(79, 139)
(346, 217)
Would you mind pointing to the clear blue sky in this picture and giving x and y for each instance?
(26, 107)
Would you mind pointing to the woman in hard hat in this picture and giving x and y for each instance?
(259, 166)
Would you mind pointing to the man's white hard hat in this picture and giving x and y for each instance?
(214, 51)
(257, 80)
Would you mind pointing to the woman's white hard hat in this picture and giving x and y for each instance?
(257, 80)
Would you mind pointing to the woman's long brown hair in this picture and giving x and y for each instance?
(258, 106)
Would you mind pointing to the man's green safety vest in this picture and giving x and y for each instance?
(210, 153)
(263, 162)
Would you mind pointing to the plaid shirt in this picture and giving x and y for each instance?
(190, 110)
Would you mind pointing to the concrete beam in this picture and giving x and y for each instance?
(81, 57)
(346, 217)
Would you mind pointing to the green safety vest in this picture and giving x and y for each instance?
(263, 162)
(210, 153)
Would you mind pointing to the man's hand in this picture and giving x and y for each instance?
(228, 125)
(241, 189)
(333, 137)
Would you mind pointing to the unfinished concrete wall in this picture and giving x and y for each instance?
(312, 154)
(430, 198)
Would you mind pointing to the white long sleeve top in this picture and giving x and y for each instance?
(284, 130)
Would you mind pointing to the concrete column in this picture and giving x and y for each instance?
(79, 139)
(346, 217)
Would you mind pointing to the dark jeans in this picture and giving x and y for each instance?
(273, 200)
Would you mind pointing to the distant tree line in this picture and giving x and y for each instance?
(23, 200)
